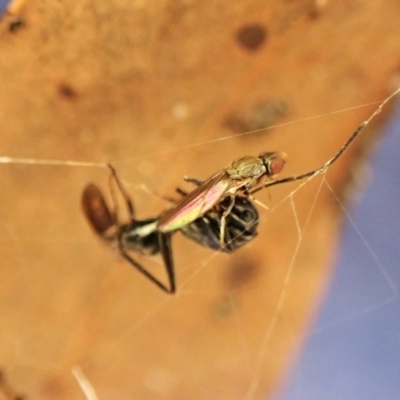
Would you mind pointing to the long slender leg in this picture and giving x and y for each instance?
(258, 202)
(164, 240)
(155, 193)
(124, 193)
(197, 182)
(223, 221)
(346, 145)
(148, 275)
(181, 192)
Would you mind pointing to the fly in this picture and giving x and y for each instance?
(240, 177)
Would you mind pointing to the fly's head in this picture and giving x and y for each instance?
(273, 162)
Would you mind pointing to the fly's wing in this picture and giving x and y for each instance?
(196, 203)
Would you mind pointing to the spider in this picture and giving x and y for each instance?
(143, 237)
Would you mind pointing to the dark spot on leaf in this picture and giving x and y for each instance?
(251, 36)
(260, 117)
(241, 272)
(67, 91)
(16, 24)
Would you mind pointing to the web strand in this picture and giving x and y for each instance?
(266, 330)
(38, 161)
(90, 164)
(331, 161)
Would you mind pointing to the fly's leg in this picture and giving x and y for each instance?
(223, 221)
(197, 182)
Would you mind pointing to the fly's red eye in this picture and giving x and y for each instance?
(276, 165)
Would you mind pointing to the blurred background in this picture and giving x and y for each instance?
(352, 349)
(167, 89)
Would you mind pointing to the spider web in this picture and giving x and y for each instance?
(354, 340)
(243, 304)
